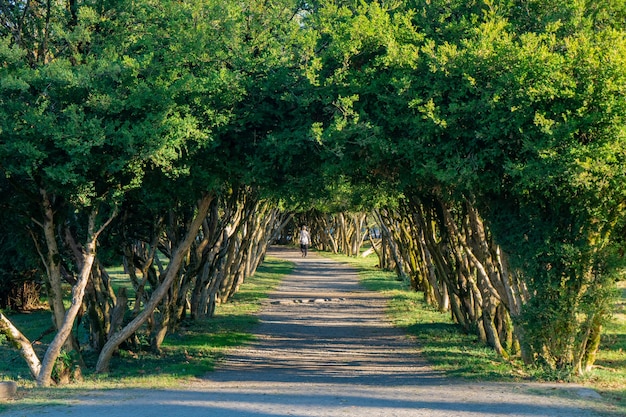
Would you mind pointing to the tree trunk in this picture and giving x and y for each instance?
(78, 291)
(385, 221)
(52, 262)
(22, 343)
(161, 327)
(117, 312)
(592, 346)
(170, 275)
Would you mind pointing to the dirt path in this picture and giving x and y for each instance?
(323, 348)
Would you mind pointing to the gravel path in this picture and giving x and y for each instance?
(323, 348)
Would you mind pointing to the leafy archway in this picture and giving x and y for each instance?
(486, 137)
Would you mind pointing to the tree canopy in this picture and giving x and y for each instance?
(511, 112)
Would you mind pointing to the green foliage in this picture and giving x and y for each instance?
(451, 350)
(565, 181)
(517, 106)
(525, 118)
(84, 122)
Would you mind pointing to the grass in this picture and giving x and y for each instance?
(440, 340)
(448, 348)
(189, 353)
(199, 346)
(37, 327)
(609, 375)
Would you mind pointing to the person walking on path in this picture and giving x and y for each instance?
(305, 241)
(323, 347)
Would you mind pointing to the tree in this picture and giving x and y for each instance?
(81, 122)
(241, 78)
(457, 101)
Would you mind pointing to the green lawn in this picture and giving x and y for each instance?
(609, 375)
(199, 345)
(190, 353)
(458, 354)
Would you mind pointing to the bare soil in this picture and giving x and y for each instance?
(324, 348)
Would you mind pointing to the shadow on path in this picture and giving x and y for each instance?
(324, 348)
(323, 339)
(320, 325)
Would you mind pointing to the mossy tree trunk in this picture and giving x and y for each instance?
(450, 256)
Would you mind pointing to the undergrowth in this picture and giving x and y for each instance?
(459, 354)
(191, 352)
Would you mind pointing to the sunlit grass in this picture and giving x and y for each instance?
(609, 374)
(191, 352)
(448, 348)
(38, 328)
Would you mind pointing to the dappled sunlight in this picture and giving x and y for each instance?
(321, 399)
(324, 347)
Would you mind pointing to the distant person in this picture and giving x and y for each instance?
(305, 241)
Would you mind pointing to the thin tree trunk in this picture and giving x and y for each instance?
(170, 275)
(22, 343)
(78, 292)
(593, 344)
(52, 262)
